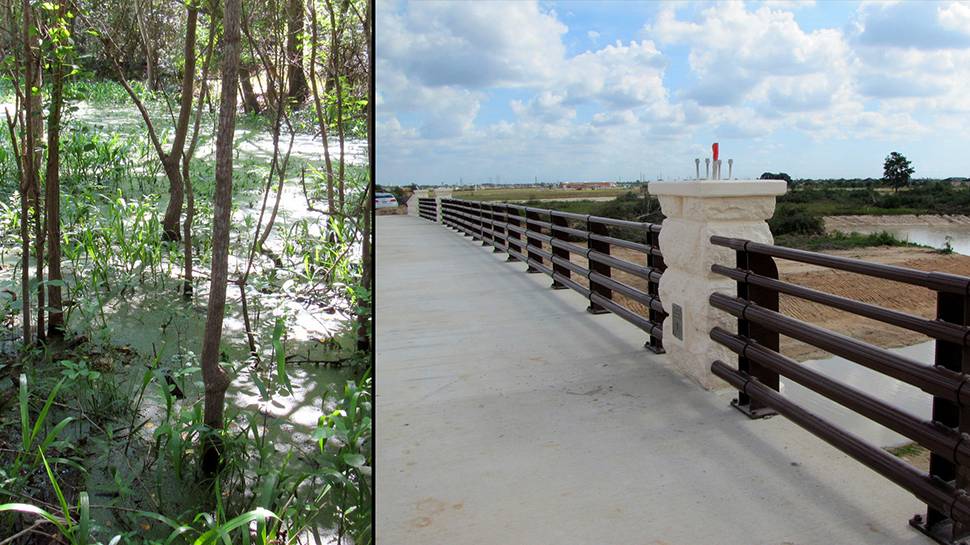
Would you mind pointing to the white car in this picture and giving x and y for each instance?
(384, 200)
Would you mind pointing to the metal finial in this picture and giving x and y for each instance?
(697, 167)
(707, 168)
(730, 168)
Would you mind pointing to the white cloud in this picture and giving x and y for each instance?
(753, 72)
(474, 45)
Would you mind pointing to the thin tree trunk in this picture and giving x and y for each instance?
(55, 326)
(10, 31)
(21, 157)
(363, 319)
(151, 78)
(335, 56)
(186, 162)
(35, 130)
(318, 106)
(294, 50)
(172, 161)
(215, 377)
(250, 102)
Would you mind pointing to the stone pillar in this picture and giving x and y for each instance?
(696, 210)
(413, 207)
(438, 195)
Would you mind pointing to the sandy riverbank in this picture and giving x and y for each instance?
(885, 293)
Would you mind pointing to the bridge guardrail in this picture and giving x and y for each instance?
(545, 240)
(428, 209)
(944, 488)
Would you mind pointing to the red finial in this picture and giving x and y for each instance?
(714, 147)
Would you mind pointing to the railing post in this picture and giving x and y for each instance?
(558, 221)
(765, 298)
(484, 214)
(694, 211)
(594, 228)
(441, 196)
(503, 232)
(478, 221)
(953, 308)
(530, 215)
(447, 216)
(656, 263)
(512, 234)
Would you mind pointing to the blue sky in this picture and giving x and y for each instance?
(514, 91)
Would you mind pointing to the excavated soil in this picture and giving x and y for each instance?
(848, 223)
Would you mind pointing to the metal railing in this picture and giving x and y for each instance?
(428, 209)
(944, 487)
(546, 240)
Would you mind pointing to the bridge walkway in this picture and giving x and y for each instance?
(507, 414)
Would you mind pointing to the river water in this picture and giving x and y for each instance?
(936, 236)
(897, 393)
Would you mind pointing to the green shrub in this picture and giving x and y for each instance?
(789, 219)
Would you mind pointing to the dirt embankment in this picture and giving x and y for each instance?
(884, 293)
(848, 223)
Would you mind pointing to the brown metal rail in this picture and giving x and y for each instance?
(428, 209)
(946, 435)
(545, 240)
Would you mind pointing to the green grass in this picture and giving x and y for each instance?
(908, 450)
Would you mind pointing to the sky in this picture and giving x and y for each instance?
(512, 92)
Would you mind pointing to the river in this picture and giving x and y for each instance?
(936, 236)
(897, 393)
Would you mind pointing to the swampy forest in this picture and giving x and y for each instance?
(185, 329)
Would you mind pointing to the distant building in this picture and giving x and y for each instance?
(587, 185)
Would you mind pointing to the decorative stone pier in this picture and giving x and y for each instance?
(696, 210)
(438, 195)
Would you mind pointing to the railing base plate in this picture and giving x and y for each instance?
(654, 349)
(558, 286)
(532, 270)
(511, 259)
(763, 412)
(596, 310)
(497, 251)
(941, 532)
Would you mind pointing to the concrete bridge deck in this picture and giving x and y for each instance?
(507, 414)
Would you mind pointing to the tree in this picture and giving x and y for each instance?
(773, 176)
(294, 50)
(213, 375)
(896, 171)
(171, 161)
(60, 37)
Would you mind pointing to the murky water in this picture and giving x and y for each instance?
(957, 235)
(898, 394)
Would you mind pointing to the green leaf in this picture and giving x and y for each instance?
(84, 528)
(43, 413)
(24, 414)
(57, 489)
(354, 460)
(222, 531)
(34, 510)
